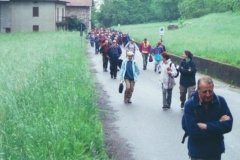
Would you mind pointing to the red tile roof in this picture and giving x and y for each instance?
(79, 3)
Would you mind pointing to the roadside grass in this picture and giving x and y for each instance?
(215, 36)
(48, 99)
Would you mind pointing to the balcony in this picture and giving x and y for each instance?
(63, 20)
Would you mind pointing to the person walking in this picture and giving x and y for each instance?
(97, 43)
(114, 52)
(131, 46)
(92, 40)
(168, 71)
(129, 73)
(206, 118)
(188, 70)
(157, 51)
(164, 48)
(145, 48)
(104, 50)
(126, 39)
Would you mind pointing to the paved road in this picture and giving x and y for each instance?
(156, 134)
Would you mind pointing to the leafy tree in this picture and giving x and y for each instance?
(197, 8)
(94, 13)
(113, 12)
(193, 8)
(232, 5)
(75, 23)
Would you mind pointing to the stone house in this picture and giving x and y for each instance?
(42, 15)
(81, 9)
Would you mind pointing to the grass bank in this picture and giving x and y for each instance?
(48, 99)
(215, 36)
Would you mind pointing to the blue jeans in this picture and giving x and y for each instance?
(92, 43)
(145, 59)
(167, 96)
(96, 48)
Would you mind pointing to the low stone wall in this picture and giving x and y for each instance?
(221, 71)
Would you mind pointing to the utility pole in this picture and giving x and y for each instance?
(81, 32)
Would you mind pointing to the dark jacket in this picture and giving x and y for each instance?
(114, 53)
(104, 49)
(206, 143)
(97, 41)
(187, 78)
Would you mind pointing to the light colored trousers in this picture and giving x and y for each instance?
(129, 88)
(157, 65)
(167, 96)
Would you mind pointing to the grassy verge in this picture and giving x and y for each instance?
(48, 99)
(215, 36)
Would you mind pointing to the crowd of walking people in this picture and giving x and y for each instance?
(203, 122)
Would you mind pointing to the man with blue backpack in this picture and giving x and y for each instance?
(206, 118)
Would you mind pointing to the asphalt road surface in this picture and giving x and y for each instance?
(154, 133)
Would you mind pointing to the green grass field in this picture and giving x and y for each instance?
(48, 99)
(215, 36)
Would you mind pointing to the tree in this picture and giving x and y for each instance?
(232, 5)
(74, 24)
(193, 8)
(113, 12)
(94, 13)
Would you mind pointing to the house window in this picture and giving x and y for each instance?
(35, 28)
(8, 30)
(35, 12)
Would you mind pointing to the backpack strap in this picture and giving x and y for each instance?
(186, 134)
(184, 137)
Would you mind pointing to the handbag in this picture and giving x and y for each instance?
(120, 88)
(150, 58)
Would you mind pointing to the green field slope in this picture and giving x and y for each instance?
(48, 99)
(215, 36)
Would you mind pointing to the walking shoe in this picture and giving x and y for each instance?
(129, 100)
(168, 106)
(112, 76)
(182, 104)
(165, 107)
(125, 100)
(159, 72)
(155, 70)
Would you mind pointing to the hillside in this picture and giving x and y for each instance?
(215, 36)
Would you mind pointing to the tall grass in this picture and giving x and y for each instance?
(215, 36)
(48, 99)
